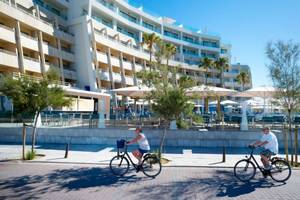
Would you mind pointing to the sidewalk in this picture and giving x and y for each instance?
(102, 156)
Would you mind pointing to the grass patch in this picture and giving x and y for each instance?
(164, 161)
(30, 155)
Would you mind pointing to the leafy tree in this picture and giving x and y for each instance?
(170, 101)
(170, 51)
(284, 70)
(222, 64)
(206, 64)
(31, 95)
(150, 40)
(243, 78)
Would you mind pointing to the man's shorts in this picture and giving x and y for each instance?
(267, 153)
(142, 151)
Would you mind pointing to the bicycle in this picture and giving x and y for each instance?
(245, 170)
(119, 165)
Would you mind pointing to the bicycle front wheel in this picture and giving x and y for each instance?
(244, 170)
(151, 166)
(280, 171)
(119, 165)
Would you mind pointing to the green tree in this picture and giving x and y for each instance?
(243, 78)
(284, 70)
(170, 101)
(222, 65)
(150, 40)
(170, 51)
(206, 64)
(30, 95)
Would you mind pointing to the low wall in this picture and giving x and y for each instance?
(109, 136)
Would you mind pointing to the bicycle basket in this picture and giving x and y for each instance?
(121, 144)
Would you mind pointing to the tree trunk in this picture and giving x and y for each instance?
(206, 105)
(291, 137)
(150, 60)
(286, 145)
(23, 141)
(34, 131)
(162, 140)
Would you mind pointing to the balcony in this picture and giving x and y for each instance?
(67, 56)
(129, 80)
(117, 77)
(115, 61)
(70, 74)
(127, 65)
(27, 17)
(8, 58)
(138, 67)
(32, 64)
(29, 42)
(50, 50)
(7, 34)
(101, 57)
(104, 75)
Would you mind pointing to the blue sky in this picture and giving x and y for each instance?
(246, 24)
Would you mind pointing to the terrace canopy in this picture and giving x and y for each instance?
(205, 90)
(134, 91)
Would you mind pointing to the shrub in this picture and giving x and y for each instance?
(30, 155)
(182, 124)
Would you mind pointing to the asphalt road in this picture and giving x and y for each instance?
(66, 181)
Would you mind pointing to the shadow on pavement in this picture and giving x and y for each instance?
(33, 186)
(221, 184)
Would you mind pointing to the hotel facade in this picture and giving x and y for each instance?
(95, 45)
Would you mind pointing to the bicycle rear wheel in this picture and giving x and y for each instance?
(244, 170)
(280, 171)
(119, 165)
(151, 166)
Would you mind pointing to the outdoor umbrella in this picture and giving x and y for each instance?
(134, 91)
(229, 102)
(210, 91)
(262, 91)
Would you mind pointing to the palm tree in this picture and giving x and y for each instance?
(243, 78)
(206, 63)
(170, 51)
(222, 64)
(150, 40)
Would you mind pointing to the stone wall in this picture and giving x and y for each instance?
(109, 136)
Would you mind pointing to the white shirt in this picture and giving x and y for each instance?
(272, 144)
(143, 143)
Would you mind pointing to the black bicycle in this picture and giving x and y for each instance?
(119, 165)
(245, 169)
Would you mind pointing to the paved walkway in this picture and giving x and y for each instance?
(93, 154)
(58, 181)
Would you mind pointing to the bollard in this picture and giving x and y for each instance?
(296, 146)
(67, 150)
(224, 154)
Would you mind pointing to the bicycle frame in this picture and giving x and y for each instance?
(253, 158)
(125, 154)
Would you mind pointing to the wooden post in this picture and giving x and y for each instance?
(67, 150)
(286, 145)
(23, 141)
(296, 146)
(224, 154)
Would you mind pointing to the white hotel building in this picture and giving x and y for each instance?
(95, 44)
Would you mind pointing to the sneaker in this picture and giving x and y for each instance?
(266, 172)
(138, 168)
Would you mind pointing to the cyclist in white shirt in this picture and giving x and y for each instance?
(144, 146)
(270, 144)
